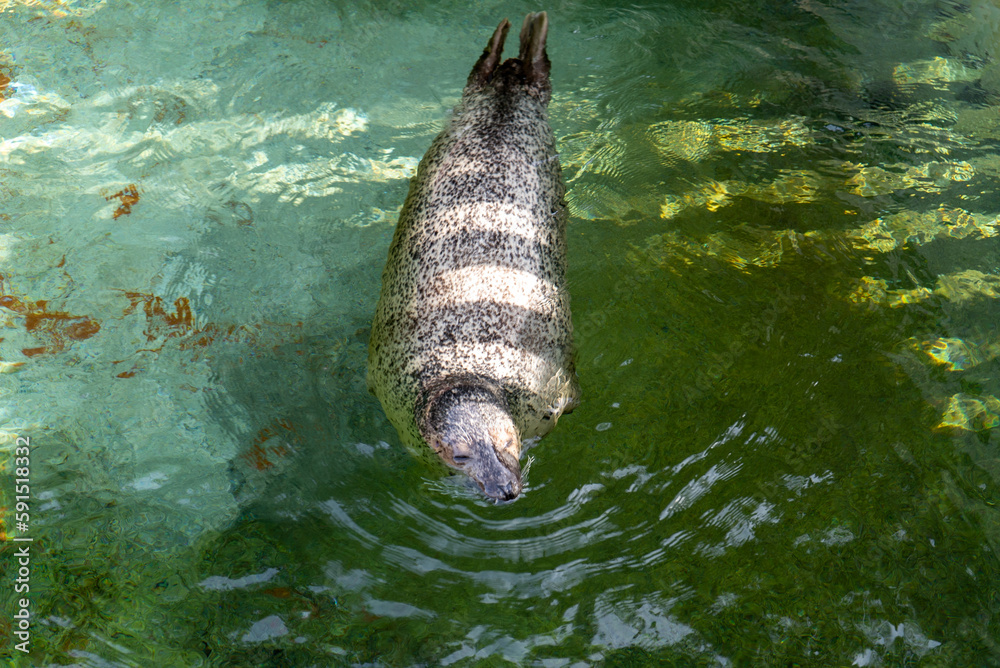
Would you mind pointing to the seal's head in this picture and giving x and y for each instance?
(468, 424)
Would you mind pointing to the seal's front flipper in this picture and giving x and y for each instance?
(536, 62)
(487, 63)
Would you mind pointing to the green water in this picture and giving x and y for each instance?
(785, 272)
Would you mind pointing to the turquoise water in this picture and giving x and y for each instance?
(785, 271)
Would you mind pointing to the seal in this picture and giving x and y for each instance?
(471, 350)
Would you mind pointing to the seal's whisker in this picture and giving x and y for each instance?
(526, 467)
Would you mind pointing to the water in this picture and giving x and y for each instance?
(784, 263)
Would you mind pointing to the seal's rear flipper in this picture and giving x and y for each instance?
(536, 62)
(487, 63)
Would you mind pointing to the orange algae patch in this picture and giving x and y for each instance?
(57, 326)
(279, 592)
(178, 323)
(82, 330)
(128, 197)
(262, 456)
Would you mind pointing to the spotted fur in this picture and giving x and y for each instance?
(472, 337)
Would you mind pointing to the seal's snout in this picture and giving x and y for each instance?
(506, 493)
(483, 455)
(502, 490)
(498, 472)
(472, 430)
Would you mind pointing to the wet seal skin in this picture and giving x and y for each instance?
(471, 349)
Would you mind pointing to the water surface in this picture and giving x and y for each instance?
(784, 264)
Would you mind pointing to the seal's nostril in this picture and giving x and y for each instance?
(461, 459)
(505, 492)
